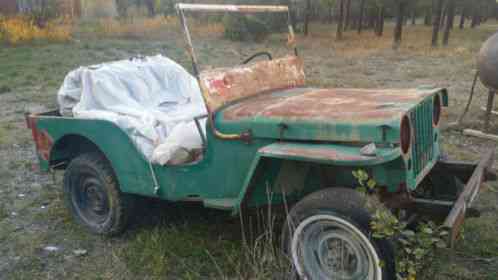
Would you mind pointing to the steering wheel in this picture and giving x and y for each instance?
(267, 54)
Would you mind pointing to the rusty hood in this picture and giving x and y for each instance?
(348, 115)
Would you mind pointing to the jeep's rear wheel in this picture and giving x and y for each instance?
(92, 194)
(327, 236)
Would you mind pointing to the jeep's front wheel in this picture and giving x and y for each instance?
(92, 194)
(327, 236)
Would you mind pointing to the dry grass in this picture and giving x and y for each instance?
(153, 28)
(20, 30)
(416, 40)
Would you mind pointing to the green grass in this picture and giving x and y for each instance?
(164, 250)
(3, 212)
(3, 136)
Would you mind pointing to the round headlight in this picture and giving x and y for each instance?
(436, 113)
(405, 135)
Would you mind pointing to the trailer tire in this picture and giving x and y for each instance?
(335, 216)
(92, 195)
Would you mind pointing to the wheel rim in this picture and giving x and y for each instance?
(90, 199)
(329, 247)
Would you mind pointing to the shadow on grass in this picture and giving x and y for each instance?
(152, 213)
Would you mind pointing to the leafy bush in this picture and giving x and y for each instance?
(22, 29)
(244, 28)
(414, 248)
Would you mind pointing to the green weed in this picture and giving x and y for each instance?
(3, 212)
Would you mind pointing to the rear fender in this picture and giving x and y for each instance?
(72, 137)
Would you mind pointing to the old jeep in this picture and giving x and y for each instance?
(269, 132)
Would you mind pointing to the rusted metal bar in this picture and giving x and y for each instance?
(188, 41)
(27, 118)
(233, 8)
(292, 36)
(462, 169)
(201, 132)
(456, 217)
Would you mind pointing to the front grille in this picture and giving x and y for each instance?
(422, 147)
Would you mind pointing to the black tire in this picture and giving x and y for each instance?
(92, 195)
(345, 205)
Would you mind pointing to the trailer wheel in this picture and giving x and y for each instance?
(92, 195)
(327, 236)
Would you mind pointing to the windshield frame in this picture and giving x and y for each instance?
(181, 8)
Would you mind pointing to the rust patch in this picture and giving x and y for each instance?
(456, 216)
(43, 141)
(318, 153)
(455, 230)
(335, 104)
(44, 145)
(225, 85)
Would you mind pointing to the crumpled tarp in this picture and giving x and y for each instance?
(153, 99)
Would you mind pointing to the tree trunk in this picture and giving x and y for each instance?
(375, 21)
(414, 12)
(150, 4)
(428, 16)
(307, 17)
(475, 17)
(436, 22)
(371, 20)
(449, 21)
(348, 14)
(330, 15)
(398, 30)
(443, 16)
(462, 17)
(340, 20)
(380, 21)
(362, 14)
(485, 15)
(292, 13)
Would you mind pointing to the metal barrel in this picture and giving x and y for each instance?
(487, 63)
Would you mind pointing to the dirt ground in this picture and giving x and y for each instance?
(38, 239)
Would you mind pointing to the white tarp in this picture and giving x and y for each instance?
(153, 99)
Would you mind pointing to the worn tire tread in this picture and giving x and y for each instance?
(122, 204)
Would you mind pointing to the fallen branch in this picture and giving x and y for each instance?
(492, 112)
(480, 134)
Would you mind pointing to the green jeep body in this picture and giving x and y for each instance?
(309, 154)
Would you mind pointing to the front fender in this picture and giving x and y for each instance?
(294, 163)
